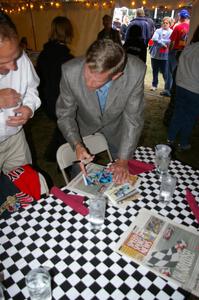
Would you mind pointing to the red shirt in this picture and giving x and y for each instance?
(179, 35)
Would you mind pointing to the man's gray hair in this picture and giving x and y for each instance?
(7, 28)
(105, 55)
(140, 12)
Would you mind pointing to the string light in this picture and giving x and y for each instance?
(23, 5)
(88, 4)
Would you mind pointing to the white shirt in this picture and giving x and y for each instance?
(25, 81)
(188, 68)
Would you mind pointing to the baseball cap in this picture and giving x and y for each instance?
(184, 14)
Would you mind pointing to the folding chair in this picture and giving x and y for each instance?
(96, 143)
(44, 186)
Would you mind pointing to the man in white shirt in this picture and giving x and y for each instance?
(18, 97)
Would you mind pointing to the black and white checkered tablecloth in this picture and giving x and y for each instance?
(84, 264)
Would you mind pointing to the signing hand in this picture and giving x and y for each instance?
(82, 154)
(23, 114)
(9, 98)
(120, 171)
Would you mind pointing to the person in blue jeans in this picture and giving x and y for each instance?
(186, 111)
(159, 52)
(178, 42)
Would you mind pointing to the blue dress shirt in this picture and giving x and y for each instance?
(102, 94)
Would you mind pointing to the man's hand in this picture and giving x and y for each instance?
(81, 154)
(23, 114)
(120, 171)
(9, 98)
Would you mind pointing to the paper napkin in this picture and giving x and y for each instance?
(193, 204)
(137, 167)
(74, 201)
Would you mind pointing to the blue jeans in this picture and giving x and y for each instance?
(185, 115)
(172, 64)
(172, 60)
(159, 66)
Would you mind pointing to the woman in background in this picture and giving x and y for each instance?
(159, 52)
(124, 26)
(55, 52)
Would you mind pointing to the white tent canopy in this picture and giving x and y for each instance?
(87, 21)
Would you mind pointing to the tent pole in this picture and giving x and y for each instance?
(32, 23)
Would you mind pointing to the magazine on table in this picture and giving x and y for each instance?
(168, 249)
(99, 180)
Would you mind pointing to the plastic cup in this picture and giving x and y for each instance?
(167, 188)
(38, 282)
(162, 159)
(96, 216)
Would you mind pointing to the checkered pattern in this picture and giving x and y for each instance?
(84, 264)
(177, 210)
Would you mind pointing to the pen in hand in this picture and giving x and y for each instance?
(83, 161)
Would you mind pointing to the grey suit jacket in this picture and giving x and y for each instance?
(79, 113)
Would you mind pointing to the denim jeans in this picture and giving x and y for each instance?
(159, 66)
(172, 64)
(185, 115)
(172, 60)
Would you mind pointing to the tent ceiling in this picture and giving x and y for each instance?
(136, 3)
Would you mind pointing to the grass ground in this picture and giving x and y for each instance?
(40, 129)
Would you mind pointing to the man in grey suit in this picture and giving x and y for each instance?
(103, 92)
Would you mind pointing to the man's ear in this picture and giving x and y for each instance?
(116, 76)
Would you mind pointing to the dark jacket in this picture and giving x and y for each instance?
(142, 22)
(112, 34)
(49, 63)
(136, 47)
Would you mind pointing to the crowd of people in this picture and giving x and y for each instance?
(83, 95)
(165, 47)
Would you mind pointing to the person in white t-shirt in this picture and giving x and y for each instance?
(186, 110)
(18, 97)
